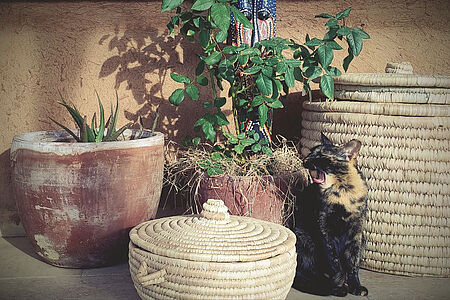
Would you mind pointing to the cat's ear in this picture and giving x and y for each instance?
(351, 149)
(325, 140)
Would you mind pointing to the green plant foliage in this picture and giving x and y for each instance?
(104, 132)
(275, 65)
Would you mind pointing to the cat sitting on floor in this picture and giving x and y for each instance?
(328, 222)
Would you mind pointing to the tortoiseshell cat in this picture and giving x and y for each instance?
(328, 222)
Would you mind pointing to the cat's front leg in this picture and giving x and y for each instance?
(352, 259)
(333, 270)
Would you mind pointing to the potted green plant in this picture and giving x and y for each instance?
(256, 77)
(79, 192)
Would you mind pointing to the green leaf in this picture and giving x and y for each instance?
(202, 80)
(243, 60)
(200, 68)
(252, 70)
(200, 121)
(68, 130)
(241, 135)
(266, 150)
(113, 118)
(239, 16)
(74, 113)
(276, 104)
(221, 36)
(170, 4)
(238, 149)
(293, 63)
(314, 42)
(221, 119)
(313, 72)
(251, 51)
(219, 102)
(207, 105)
(213, 58)
(347, 60)
(257, 60)
(331, 22)
(354, 41)
(298, 75)
(177, 97)
(268, 71)
(196, 141)
(264, 84)
(208, 131)
(247, 142)
(325, 56)
(180, 78)
(344, 31)
(327, 86)
(116, 134)
(262, 113)
(216, 156)
(281, 67)
(220, 14)
(94, 122)
(276, 90)
(361, 32)
(201, 5)
(333, 71)
(229, 50)
(216, 170)
(325, 16)
(333, 45)
(289, 77)
(192, 91)
(256, 148)
(343, 14)
(101, 129)
(204, 38)
(258, 100)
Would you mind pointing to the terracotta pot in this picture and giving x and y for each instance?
(78, 201)
(265, 198)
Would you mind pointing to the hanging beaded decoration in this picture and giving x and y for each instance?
(262, 14)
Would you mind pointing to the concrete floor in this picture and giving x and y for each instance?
(24, 276)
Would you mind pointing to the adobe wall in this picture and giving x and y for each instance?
(79, 47)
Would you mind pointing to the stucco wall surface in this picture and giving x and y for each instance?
(80, 47)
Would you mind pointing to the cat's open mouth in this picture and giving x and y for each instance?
(318, 176)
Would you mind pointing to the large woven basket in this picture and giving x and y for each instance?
(403, 122)
(212, 256)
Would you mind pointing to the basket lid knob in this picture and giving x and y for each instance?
(399, 67)
(214, 209)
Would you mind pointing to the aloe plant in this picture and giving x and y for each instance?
(95, 133)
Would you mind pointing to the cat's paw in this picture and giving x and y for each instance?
(340, 291)
(359, 291)
(339, 279)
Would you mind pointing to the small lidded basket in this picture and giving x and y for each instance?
(212, 256)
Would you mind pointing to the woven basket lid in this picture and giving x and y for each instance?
(397, 75)
(213, 236)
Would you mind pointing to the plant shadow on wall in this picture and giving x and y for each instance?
(143, 61)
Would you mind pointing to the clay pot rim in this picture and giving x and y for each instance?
(50, 141)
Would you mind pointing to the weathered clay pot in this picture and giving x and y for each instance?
(266, 198)
(78, 201)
